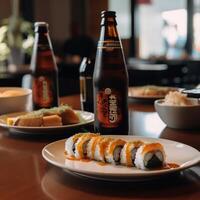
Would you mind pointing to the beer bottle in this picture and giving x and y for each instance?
(86, 85)
(110, 80)
(44, 70)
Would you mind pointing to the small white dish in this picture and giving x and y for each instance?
(179, 117)
(18, 100)
(86, 118)
(183, 155)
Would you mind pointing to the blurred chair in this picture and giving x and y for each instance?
(146, 73)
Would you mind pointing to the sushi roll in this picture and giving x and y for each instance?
(70, 144)
(81, 145)
(113, 151)
(100, 148)
(150, 156)
(128, 153)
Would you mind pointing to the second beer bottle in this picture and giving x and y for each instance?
(44, 70)
(110, 80)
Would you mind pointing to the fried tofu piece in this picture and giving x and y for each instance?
(34, 121)
(69, 117)
(52, 120)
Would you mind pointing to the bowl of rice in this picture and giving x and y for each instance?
(178, 111)
(15, 99)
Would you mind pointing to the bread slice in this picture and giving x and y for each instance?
(29, 120)
(52, 120)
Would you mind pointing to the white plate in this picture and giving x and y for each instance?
(133, 96)
(184, 155)
(86, 118)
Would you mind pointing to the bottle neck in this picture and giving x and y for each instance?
(43, 39)
(108, 29)
(43, 56)
(109, 37)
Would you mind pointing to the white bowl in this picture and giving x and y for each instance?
(179, 117)
(17, 103)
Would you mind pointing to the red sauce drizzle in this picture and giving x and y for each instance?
(72, 158)
(167, 166)
(171, 166)
(102, 163)
(85, 160)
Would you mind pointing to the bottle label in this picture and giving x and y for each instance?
(109, 112)
(109, 44)
(42, 91)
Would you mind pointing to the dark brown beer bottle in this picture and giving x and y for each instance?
(110, 80)
(44, 70)
(86, 85)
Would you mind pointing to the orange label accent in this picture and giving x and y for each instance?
(109, 111)
(42, 91)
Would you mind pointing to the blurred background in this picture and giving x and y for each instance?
(161, 39)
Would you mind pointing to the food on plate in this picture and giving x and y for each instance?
(81, 145)
(150, 90)
(11, 93)
(128, 153)
(28, 120)
(57, 116)
(150, 156)
(177, 99)
(52, 120)
(70, 144)
(115, 151)
(100, 147)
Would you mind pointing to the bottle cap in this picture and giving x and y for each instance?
(41, 27)
(108, 17)
(105, 13)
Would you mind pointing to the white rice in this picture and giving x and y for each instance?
(139, 159)
(89, 147)
(177, 99)
(111, 157)
(83, 141)
(69, 146)
(132, 149)
(97, 155)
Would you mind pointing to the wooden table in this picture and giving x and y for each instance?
(25, 175)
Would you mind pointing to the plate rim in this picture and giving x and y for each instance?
(126, 175)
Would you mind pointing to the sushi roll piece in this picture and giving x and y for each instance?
(70, 144)
(113, 151)
(100, 148)
(150, 156)
(92, 146)
(81, 145)
(128, 153)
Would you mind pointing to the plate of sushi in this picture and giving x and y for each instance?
(46, 120)
(119, 158)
